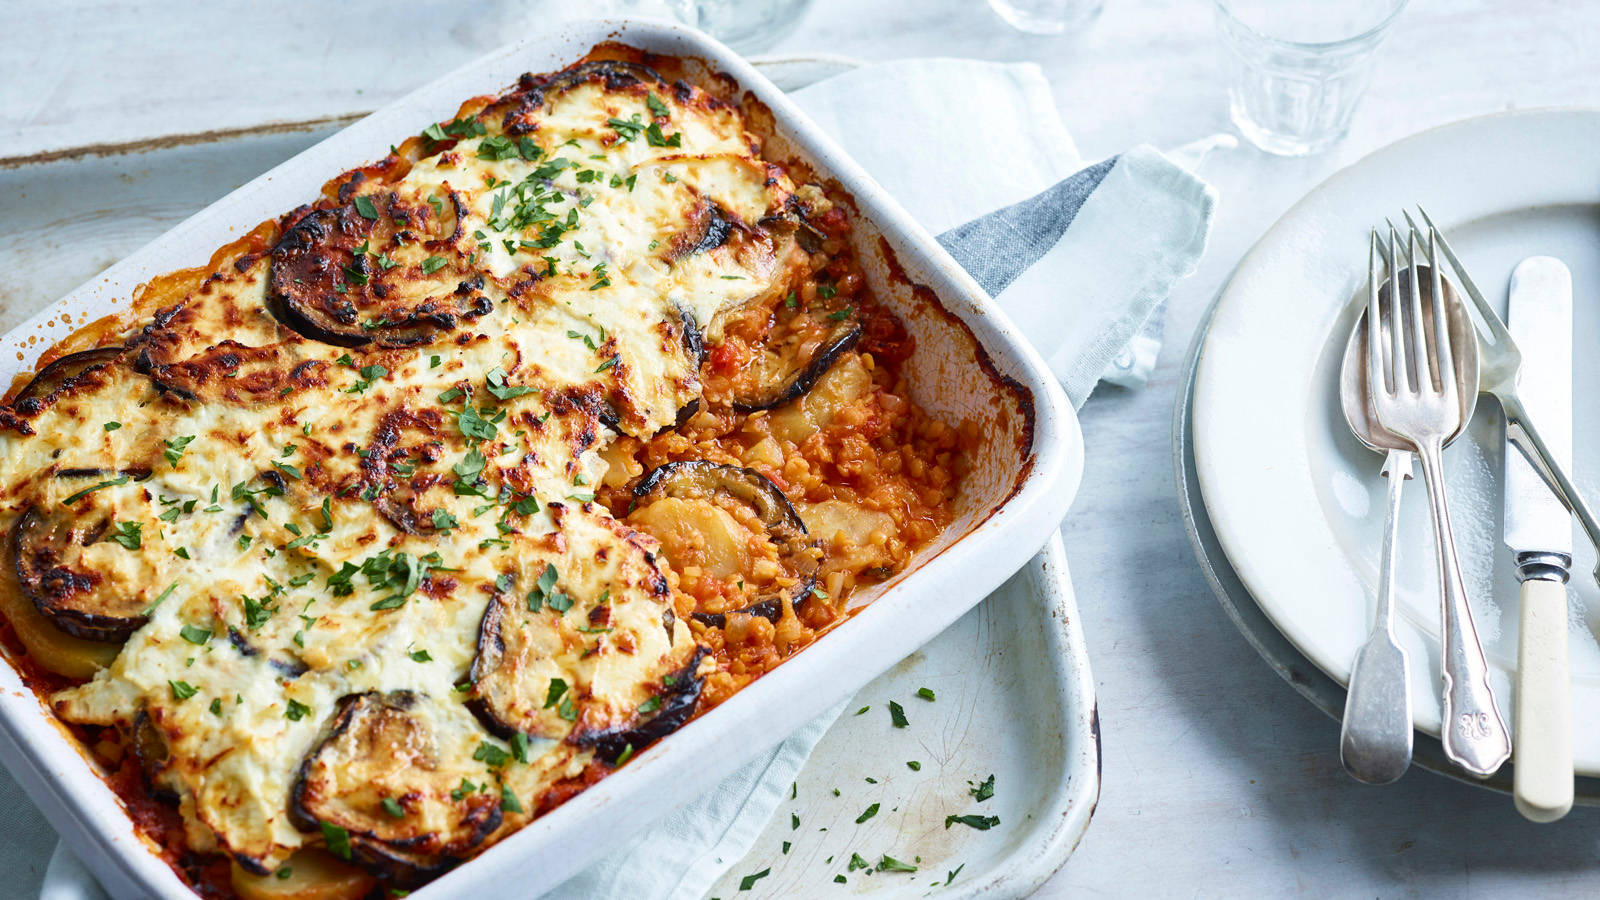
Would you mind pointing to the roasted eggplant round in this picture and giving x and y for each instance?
(49, 550)
(405, 468)
(61, 374)
(675, 705)
(381, 270)
(509, 693)
(378, 756)
(693, 508)
(786, 369)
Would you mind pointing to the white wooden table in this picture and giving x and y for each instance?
(1219, 780)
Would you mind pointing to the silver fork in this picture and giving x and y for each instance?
(1414, 397)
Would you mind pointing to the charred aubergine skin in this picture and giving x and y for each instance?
(700, 478)
(71, 597)
(801, 376)
(378, 748)
(61, 374)
(679, 695)
(323, 286)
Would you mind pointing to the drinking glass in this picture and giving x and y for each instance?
(1296, 70)
(1046, 16)
(748, 26)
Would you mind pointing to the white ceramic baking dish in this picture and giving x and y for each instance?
(970, 363)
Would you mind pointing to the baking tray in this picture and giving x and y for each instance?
(1017, 515)
(1311, 682)
(1015, 700)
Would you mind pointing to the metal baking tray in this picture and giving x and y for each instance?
(1016, 499)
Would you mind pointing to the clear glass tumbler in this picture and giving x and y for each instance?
(1296, 69)
(748, 26)
(1046, 16)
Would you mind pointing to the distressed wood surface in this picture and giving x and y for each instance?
(1219, 780)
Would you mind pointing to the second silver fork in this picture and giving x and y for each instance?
(1413, 386)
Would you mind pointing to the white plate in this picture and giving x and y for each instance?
(1296, 501)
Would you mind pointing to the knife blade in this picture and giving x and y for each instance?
(1538, 529)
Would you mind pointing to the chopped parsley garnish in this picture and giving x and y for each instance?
(443, 521)
(651, 705)
(544, 591)
(296, 711)
(863, 710)
(113, 426)
(657, 108)
(926, 694)
(462, 790)
(119, 480)
(629, 128)
(256, 612)
(653, 137)
(287, 469)
(491, 755)
(175, 447)
(369, 374)
(856, 862)
(433, 264)
(890, 864)
(420, 656)
(749, 881)
(182, 690)
(558, 697)
(519, 746)
(495, 381)
(337, 839)
(473, 425)
(216, 707)
(914, 766)
(871, 811)
(606, 365)
(983, 791)
(827, 291)
(897, 715)
(368, 210)
(508, 800)
(393, 808)
(952, 876)
(981, 823)
(842, 314)
(128, 534)
(194, 634)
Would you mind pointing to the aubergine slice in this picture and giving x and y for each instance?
(533, 91)
(378, 748)
(699, 480)
(675, 704)
(708, 229)
(151, 752)
(786, 370)
(232, 372)
(46, 549)
(508, 645)
(62, 374)
(341, 277)
(405, 467)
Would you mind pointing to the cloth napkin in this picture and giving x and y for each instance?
(1080, 257)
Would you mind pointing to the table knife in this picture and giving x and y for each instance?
(1538, 530)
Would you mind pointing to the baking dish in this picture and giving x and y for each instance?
(1015, 498)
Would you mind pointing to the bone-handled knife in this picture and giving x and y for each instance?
(1538, 530)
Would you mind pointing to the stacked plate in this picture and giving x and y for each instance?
(1285, 506)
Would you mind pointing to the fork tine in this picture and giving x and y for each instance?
(1419, 333)
(1441, 319)
(1375, 380)
(1399, 371)
(1488, 321)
